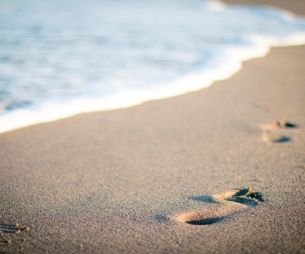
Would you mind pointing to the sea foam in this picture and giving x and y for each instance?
(55, 70)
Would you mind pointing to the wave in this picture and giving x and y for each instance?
(223, 65)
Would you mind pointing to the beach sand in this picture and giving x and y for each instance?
(294, 6)
(166, 176)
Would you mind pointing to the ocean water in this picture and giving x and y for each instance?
(59, 58)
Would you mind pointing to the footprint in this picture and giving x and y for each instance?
(272, 132)
(230, 202)
(12, 232)
(280, 124)
(274, 138)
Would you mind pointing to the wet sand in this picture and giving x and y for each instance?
(156, 178)
(294, 6)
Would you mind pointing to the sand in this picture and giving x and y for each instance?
(131, 180)
(294, 6)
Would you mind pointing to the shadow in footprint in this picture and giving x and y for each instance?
(161, 218)
(204, 198)
(282, 139)
(205, 221)
(245, 201)
(290, 125)
(202, 217)
(8, 228)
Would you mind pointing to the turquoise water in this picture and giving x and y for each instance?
(60, 58)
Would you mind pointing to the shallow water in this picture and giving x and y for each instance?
(60, 58)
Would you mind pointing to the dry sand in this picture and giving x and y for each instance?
(115, 182)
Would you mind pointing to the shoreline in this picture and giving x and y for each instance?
(232, 61)
(113, 181)
(296, 7)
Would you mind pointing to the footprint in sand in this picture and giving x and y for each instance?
(230, 202)
(273, 132)
(10, 233)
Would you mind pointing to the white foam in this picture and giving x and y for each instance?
(230, 64)
(217, 5)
